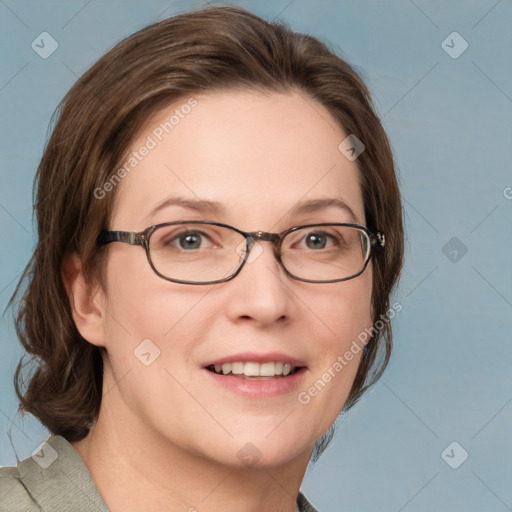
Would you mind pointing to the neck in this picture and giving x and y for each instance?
(136, 468)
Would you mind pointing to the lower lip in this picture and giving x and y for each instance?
(259, 388)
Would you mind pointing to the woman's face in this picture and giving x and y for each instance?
(251, 161)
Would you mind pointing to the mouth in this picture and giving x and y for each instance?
(252, 370)
(257, 376)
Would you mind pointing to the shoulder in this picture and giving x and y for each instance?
(14, 494)
(53, 479)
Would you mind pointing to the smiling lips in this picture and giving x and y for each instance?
(254, 369)
(256, 366)
(257, 376)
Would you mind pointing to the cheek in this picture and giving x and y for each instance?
(153, 325)
(346, 308)
(345, 311)
(142, 305)
(345, 322)
(152, 328)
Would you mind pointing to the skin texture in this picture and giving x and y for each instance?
(167, 436)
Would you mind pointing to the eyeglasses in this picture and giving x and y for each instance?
(204, 252)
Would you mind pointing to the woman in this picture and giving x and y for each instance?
(220, 230)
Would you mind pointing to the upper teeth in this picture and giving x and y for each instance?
(252, 369)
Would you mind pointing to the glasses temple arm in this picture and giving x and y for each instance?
(126, 237)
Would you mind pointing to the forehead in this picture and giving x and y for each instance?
(257, 155)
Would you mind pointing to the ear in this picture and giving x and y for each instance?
(87, 301)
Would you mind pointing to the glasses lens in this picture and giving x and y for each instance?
(196, 252)
(325, 253)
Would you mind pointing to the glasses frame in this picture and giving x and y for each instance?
(142, 238)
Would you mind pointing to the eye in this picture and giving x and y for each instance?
(190, 240)
(318, 240)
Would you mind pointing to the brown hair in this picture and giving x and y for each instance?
(211, 49)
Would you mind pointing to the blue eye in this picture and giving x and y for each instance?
(316, 240)
(189, 240)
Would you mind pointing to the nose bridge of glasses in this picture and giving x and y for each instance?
(263, 236)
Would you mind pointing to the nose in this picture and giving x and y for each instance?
(261, 291)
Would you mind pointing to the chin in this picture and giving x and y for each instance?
(259, 451)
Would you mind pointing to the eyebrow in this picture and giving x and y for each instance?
(206, 206)
(199, 205)
(315, 205)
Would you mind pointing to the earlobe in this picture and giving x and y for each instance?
(87, 301)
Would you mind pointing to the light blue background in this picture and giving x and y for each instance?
(449, 121)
